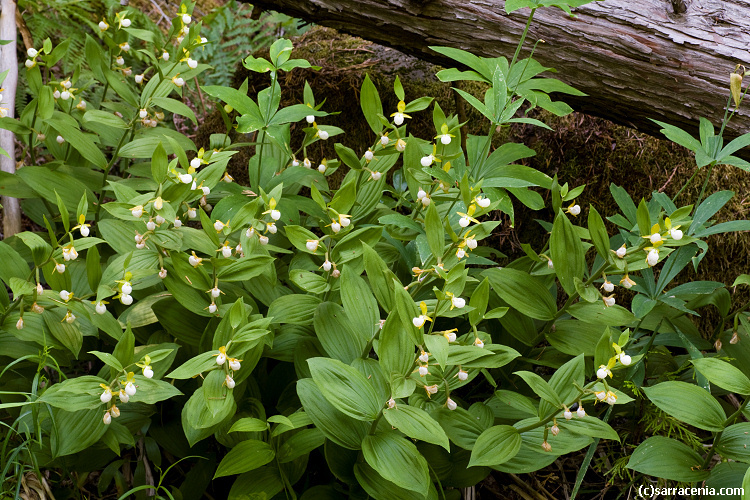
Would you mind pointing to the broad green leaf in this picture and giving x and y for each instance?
(245, 268)
(461, 427)
(159, 164)
(334, 330)
(688, 403)
(245, 456)
(395, 349)
(540, 387)
(598, 232)
(397, 460)
(300, 443)
(523, 292)
(723, 374)
(599, 314)
(417, 424)
(371, 106)
(359, 303)
(346, 388)
(338, 427)
(435, 232)
(294, 309)
(495, 446)
(566, 252)
(662, 457)
(734, 442)
(175, 106)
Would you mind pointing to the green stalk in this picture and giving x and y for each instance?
(587, 459)
(705, 183)
(105, 174)
(523, 39)
(717, 439)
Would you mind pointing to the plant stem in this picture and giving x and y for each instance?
(717, 439)
(685, 185)
(705, 183)
(523, 39)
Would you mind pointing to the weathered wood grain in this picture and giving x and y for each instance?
(636, 59)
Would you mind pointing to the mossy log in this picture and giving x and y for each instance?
(636, 59)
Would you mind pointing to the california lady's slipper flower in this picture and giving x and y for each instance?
(457, 302)
(626, 282)
(581, 412)
(625, 359)
(106, 396)
(462, 375)
(608, 286)
(479, 343)
(611, 398)
(482, 202)
(603, 372)
(219, 226)
(431, 389)
(194, 260)
(229, 382)
(574, 209)
(234, 364)
(100, 307)
(419, 321)
(621, 251)
(424, 357)
(221, 358)
(450, 335)
(450, 404)
(609, 301)
(312, 245)
(399, 115)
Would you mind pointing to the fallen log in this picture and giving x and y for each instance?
(636, 59)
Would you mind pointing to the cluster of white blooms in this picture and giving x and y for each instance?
(233, 365)
(124, 390)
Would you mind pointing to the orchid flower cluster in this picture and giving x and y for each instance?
(122, 390)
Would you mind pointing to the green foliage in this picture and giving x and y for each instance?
(256, 324)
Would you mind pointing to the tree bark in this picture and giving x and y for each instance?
(9, 61)
(636, 59)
